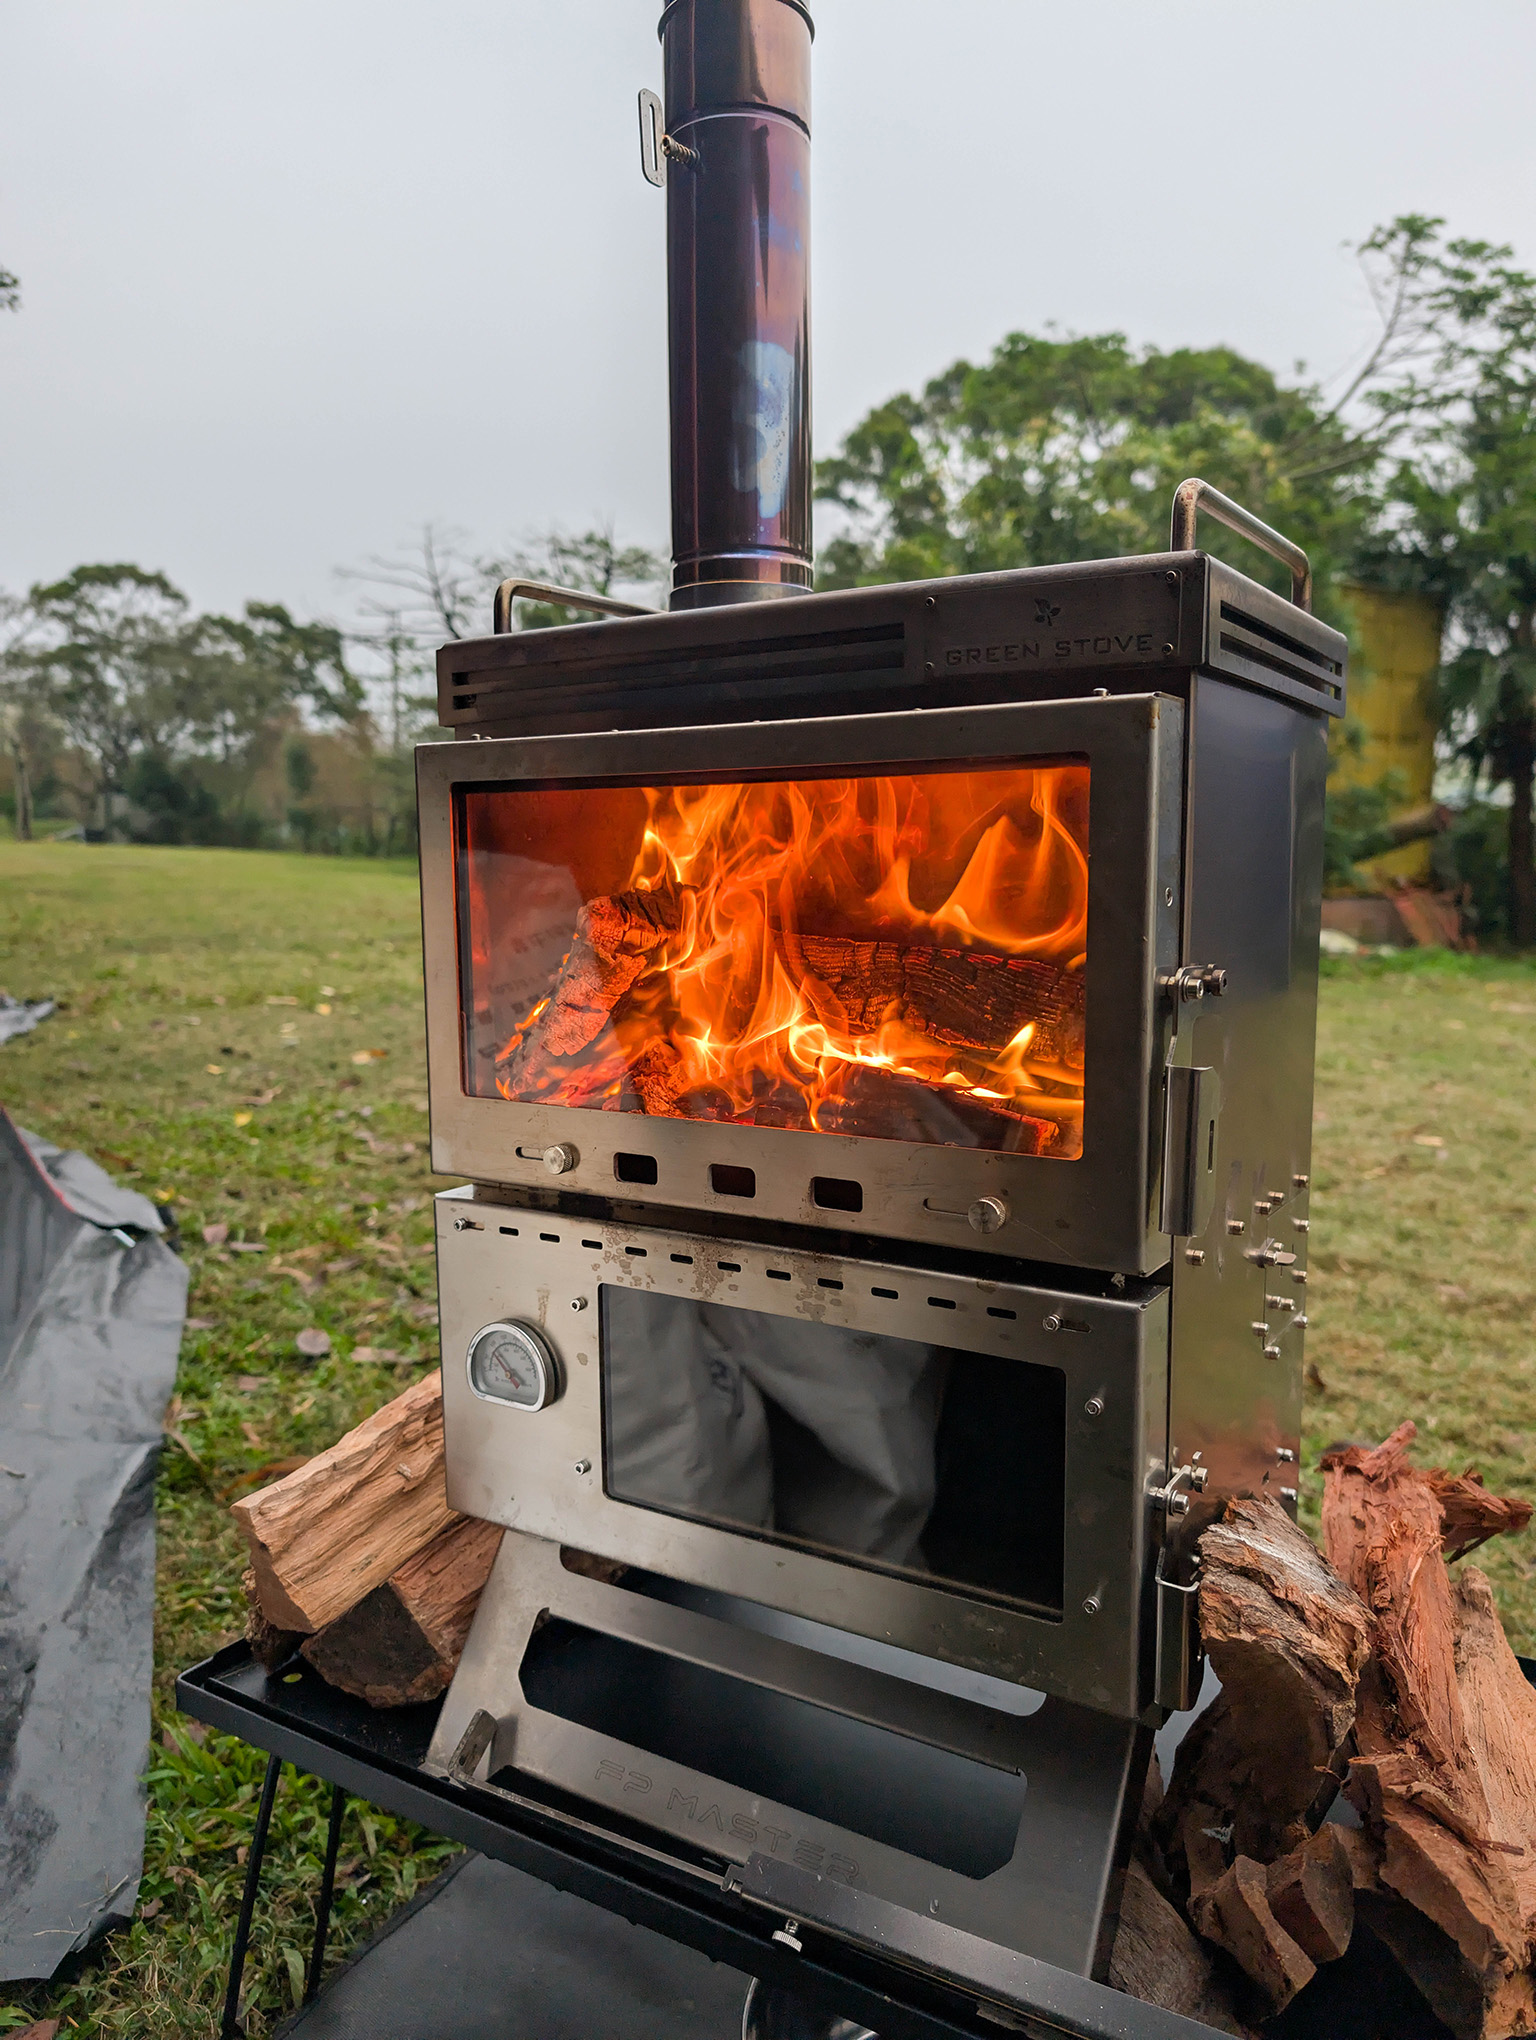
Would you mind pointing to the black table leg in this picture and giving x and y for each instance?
(327, 1887)
(230, 2029)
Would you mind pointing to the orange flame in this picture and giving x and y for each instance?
(899, 955)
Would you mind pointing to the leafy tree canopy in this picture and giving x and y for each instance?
(1070, 448)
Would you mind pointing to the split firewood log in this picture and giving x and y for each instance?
(326, 1535)
(1311, 1892)
(963, 998)
(1157, 1959)
(1288, 1639)
(1445, 1775)
(402, 1642)
(270, 1646)
(611, 947)
(1235, 1913)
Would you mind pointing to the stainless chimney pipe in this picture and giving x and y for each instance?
(738, 78)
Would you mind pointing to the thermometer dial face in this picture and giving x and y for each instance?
(514, 1364)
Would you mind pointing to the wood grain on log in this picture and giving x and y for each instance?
(402, 1642)
(1312, 1894)
(611, 947)
(270, 1646)
(1446, 1738)
(1157, 1959)
(964, 998)
(337, 1528)
(1235, 1914)
(1288, 1640)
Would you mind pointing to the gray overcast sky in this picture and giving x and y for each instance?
(298, 277)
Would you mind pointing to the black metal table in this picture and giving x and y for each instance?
(297, 1718)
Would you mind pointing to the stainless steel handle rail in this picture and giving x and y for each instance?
(568, 598)
(1193, 496)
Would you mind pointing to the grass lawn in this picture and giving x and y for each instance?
(215, 1007)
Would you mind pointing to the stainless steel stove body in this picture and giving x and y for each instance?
(875, 1032)
(961, 1422)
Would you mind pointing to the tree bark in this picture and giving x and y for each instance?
(1288, 1639)
(329, 1533)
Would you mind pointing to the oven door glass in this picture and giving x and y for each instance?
(920, 1460)
(898, 955)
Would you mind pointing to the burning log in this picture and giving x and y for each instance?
(402, 1642)
(1445, 1776)
(323, 1537)
(612, 947)
(961, 1000)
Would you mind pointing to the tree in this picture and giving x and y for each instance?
(1459, 428)
(113, 657)
(1071, 448)
(107, 652)
(10, 291)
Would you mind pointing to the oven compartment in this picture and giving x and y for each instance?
(958, 1467)
(505, 823)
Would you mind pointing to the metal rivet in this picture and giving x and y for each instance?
(578, 1303)
(930, 602)
(1301, 1182)
(1302, 1224)
(1288, 1494)
(1171, 578)
(1261, 1328)
(1271, 1352)
(1094, 1407)
(930, 668)
(1195, 1256)
(1285, 1455)
(1101, 694)
(1167, 651)
(1167, 895)
(1234, 1225)
(583, 1466)
(1262, 1206)
(1053, 1322)
(1092, 1605)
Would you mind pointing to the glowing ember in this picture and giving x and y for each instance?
(899, 956)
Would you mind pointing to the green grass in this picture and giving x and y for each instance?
(1423, 1300)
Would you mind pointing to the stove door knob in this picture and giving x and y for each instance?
(561, 1158)
(988, 1215)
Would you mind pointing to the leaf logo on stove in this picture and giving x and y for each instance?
(1046, 611)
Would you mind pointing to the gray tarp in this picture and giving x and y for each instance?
(91, 1309)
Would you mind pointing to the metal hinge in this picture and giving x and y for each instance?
(1192, 981)
(1170, 1498)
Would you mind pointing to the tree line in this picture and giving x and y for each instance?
(125, 713)
(1418, 472)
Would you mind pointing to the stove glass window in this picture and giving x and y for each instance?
(918, 1460)
(898, 956)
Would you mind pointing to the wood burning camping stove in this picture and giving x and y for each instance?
(877, 1032)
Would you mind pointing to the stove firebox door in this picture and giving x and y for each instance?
(891, 975)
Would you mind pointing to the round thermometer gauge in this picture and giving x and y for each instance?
(514, 1364)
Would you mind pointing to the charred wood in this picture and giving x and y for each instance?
(402, 1642)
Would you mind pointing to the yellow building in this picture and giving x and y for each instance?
(1391, 703)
